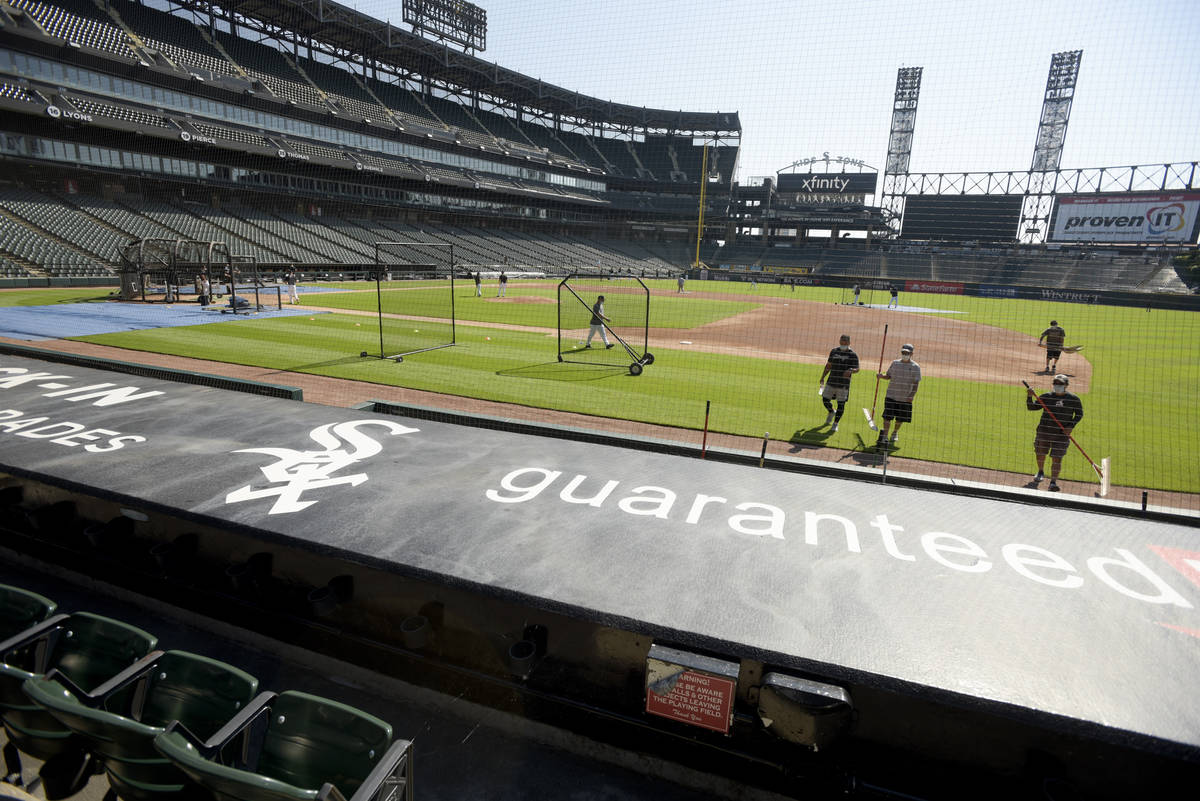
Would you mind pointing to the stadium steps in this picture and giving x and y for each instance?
(391, 115)
(295, 65)
(429, 112)
(21, 210)
(533, 245)
(339, 246)
(131, 224)
(506, 129)
(91, 218)
(583, 141)
(136, 43)
(184, 46)
(238, 70)
(395, 231)
(359, 230)
(26, 266)
(446, 234)
(642, 170)
(80, 23)
(186, 225)
(563, 147)
(242, 222)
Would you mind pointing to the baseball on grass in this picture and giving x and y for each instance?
(489, 339)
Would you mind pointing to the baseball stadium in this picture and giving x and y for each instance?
(381, 421)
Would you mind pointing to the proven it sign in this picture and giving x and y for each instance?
(1168, 217)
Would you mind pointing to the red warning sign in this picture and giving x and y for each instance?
(697, 699)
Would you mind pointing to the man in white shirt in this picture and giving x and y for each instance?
(904, 376)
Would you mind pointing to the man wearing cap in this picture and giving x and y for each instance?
(1061, 412)
(904, 376)
(842, 364)
(597, 324)
(1055, 336)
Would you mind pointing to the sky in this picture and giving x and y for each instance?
(813, 77)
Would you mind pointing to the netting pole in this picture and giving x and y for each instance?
(453, 316)
(646, 329)
(379, 297)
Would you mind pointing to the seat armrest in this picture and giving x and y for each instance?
(394, 767)
(96, 697)
(34, 632)
(177, 727)
(329, 793)
(238, 722)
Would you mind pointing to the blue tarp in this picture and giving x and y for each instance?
(62, 320)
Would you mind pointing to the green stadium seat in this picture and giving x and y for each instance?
(20, 609)
(120, 719)
(88, 649)
(313, 749)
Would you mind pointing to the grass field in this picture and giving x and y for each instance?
(1140, 409)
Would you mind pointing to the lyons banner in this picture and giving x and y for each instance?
(1166, 217)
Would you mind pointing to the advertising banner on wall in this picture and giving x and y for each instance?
(1166, 217)
(828, 183)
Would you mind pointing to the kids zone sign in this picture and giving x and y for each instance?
(1166, 217)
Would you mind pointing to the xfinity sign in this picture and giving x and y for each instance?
(1169, 217)
(840, 183)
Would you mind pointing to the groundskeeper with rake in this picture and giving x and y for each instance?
(1061, 412)
(904, 377)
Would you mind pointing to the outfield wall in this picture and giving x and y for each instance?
(1099, 297)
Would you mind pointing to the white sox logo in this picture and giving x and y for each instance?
(300, 471)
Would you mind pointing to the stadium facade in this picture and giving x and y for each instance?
(268, 125)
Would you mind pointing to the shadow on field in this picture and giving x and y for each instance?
(868, 455)
(809, 438)
(97, 299)
(565, 371)
(300, 368)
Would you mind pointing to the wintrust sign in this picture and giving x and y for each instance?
(1170, 217)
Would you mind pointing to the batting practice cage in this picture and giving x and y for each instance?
(604, 319)
(414, 298)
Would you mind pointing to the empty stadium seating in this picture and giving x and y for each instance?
(272, 68)
(21, 609)
(85, 693)
(80, 23)
(309, 741)
(87, 650)
(118, 722)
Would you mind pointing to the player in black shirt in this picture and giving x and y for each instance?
(1063, 407)
(842, 364)
(1055, 336)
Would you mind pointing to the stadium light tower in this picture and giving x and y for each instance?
(904, 118)
(1056, 110)
(1047, 150)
